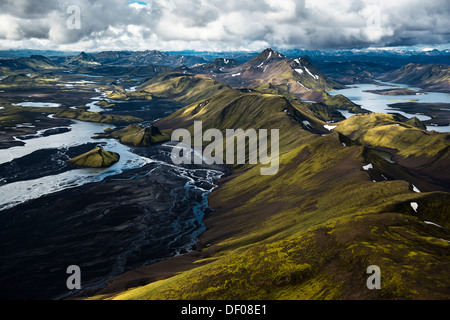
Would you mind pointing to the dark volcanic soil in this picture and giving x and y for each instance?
(129, 220)
(67, 98)
(41, 163)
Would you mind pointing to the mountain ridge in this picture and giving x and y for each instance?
(431, 77)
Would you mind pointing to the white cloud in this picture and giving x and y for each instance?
(223, 25)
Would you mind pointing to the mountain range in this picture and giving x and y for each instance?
(268, 70)
(431, 77)
(337, 205)
(372, 189)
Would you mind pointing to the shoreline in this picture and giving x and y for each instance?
(106, 228)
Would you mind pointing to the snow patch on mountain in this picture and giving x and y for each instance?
(312, 75)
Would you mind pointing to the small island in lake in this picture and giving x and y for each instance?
(394, 92)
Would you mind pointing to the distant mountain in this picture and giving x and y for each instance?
(432, 77)
(350, 72)
(142, 58)
(41, 62)
(124, 71)
(183, 87)
(397, 57)
(217, 65)
(28, 52)
(271, 68)
(82, 60)
(392, 56)
(32, 63)
(310, 230)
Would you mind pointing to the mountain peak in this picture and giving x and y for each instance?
(303, 60)
(269, 52)
(37, 57)
(265, 56)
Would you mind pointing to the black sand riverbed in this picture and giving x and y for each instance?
(139, 217)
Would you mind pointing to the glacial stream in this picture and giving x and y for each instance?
(164, 212)
(80, 133)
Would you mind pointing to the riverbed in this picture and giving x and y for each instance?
(141, 210)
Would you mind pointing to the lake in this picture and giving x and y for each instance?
(380, 103)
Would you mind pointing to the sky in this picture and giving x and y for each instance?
(221, 25)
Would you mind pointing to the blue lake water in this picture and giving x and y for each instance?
(380, 103)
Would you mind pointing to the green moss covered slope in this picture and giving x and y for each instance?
(311, 230)
(96, 158)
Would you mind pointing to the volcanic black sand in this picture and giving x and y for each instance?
(139, 217)
(37, 122)
(41, 163)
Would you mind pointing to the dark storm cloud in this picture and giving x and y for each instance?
(221, 24)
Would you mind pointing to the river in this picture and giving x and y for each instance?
(159, 215)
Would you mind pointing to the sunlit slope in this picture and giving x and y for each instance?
(385, 130)
(96, 158)
(183, 88)
(233, 109)
(138, 136)
(424, 152)
(311, 230)
(95, 117)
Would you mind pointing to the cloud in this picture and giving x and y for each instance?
(222, 25)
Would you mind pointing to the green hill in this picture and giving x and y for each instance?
(95, 117)
(182, 87)
(425, 154)
(138, 136)
(311, 230)
(431, 77)
(96, 158)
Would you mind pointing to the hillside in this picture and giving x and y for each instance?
(424, 154)
(148, 57)
(138, 136)
(311, 230)
(295, 76)
(96, 158)
(31, 63)
(124, 71)
(431, 77)
(217, 65)
(352, 72)
(182, 87)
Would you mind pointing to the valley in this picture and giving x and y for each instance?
(354, 156)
